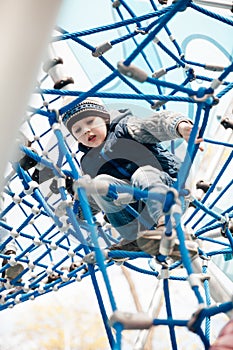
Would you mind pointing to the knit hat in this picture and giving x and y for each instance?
(84, 109)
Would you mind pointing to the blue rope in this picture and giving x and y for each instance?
(169, 314)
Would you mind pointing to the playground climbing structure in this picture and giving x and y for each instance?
(136, 59)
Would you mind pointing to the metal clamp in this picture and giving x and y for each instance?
(172, 192)
(159, 73)
(214, 68)
(132, 71)
(91, 186)
(140, 31)
(202, 98)
(195, 320)
(91, 257)
(158, 104)
(116, 4)
(225, 226)
(101, 49)
(32, 186)
(129, 320)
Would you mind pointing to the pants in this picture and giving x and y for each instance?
(149, 210)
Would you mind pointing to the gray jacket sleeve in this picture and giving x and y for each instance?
(162, 126)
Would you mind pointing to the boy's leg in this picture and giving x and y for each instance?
(155, 181)
(118, 215)
(145, 178)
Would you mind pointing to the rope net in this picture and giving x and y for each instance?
(140, 62)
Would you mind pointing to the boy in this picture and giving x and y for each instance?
(124, 150)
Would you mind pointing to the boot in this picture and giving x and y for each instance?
(149, 241)
(124, 244)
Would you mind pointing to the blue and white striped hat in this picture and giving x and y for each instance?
(86, 108)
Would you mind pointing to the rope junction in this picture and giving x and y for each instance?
(41, 215)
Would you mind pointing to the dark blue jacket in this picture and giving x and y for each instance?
(121, 155)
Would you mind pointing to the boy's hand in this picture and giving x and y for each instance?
(184, 129)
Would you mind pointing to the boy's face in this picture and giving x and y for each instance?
(90, 131)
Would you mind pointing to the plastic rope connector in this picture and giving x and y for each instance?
(214, 68)
(17, 299)
(61, 208)
(56, 126)
(159, 73)
(45, 154)
(227, 123)
(140, 31)
(2, 299)
(204, 277)
(78, 278)
(31, 222)
(31, 265)
(123, 199)
(225, 225)
(54, 67)
(91, 257)
(101, 49)
(201, 98)
(53, 246)
(116, 4)
(49, 269)
(177, 209)
(215, 84)
(91, 186)
(172, 198)
(64, 276)
(205, 260)
(194, 280)
(14, 233)
(158, 104)
(26, 287)
(41, 289)
(171, 37)
(16, 199)
(71, 253)
(195, 319)
(132, 71)
(129, 320)
(35, 210)
(166, 244)
(52, 63)
(164, 274)
(65, 225)
(61, 182)
(12, 261)
(156, 40)
(40, 166)
(204, 186)
(37, 241)
(32, 186)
